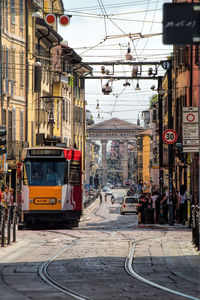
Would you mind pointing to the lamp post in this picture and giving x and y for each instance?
(167, 65)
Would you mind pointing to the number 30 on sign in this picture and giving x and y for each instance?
(169, 136)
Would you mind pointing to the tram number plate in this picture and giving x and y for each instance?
(41, 201)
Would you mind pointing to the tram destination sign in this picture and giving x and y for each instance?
(190, 129)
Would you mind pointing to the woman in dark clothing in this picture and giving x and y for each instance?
(165, 207)
(157, 207)
(144, 203)
(182, 205)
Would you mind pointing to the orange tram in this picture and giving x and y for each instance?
(51, 186)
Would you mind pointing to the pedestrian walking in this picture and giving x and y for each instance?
(100, 196)
(6, 199)
(142, 205)
(12, 199)
(149, 200)
(182, 205)
(165, 207)
(154, 198)
(105, 197)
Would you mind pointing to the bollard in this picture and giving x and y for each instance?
(2, 226)
(14, 221)
(8, 224)
(198, 227)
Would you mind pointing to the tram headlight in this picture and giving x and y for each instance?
(59, 201)
(31, 200)
(52, 201)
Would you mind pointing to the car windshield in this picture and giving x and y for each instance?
(131, 200)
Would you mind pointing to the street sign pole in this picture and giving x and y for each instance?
(170, 146)
(160, 112)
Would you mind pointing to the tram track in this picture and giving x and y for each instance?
(116, 233)
(129, 269)
(45, 276)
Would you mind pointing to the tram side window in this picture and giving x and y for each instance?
(75, 173)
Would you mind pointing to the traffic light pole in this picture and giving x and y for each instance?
(170, 146)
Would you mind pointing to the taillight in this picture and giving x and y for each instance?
(124, 205)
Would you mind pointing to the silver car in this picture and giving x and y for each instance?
(129, 205)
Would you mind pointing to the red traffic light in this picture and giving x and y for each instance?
(64, 20)
(50, 19)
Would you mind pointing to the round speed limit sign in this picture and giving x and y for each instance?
(169, 136)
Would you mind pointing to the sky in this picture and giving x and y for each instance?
(104, 30)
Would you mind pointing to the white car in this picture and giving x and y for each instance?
(129, 205)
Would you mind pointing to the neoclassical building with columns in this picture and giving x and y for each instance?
(111, 130)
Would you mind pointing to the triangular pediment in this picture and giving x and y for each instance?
(115, 123)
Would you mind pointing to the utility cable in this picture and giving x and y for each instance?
(100, 5)
(150, 29)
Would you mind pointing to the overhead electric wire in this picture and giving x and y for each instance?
(150, 28)
(104, 15)
(113, 6)
(116, 98)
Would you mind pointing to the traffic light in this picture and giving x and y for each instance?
(2, 139)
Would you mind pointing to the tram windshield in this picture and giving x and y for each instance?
(46, 172)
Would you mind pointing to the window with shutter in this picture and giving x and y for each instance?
(67, 111)
(7, 70)
(6, 14)
(13, 65)
(4, 117)
(58, 114)
(21, 14)
(12, 11)
(63, 110)
(10, 126)
(22, 125)
(21, 69)
(14, 124)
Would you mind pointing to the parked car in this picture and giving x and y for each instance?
(129, 205)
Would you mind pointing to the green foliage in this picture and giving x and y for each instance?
(153, 100)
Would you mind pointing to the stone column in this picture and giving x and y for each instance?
(104, 162)
(125, 162)
(87, 167)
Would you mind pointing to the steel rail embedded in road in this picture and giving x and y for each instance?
(45, 276)
(129, 269)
